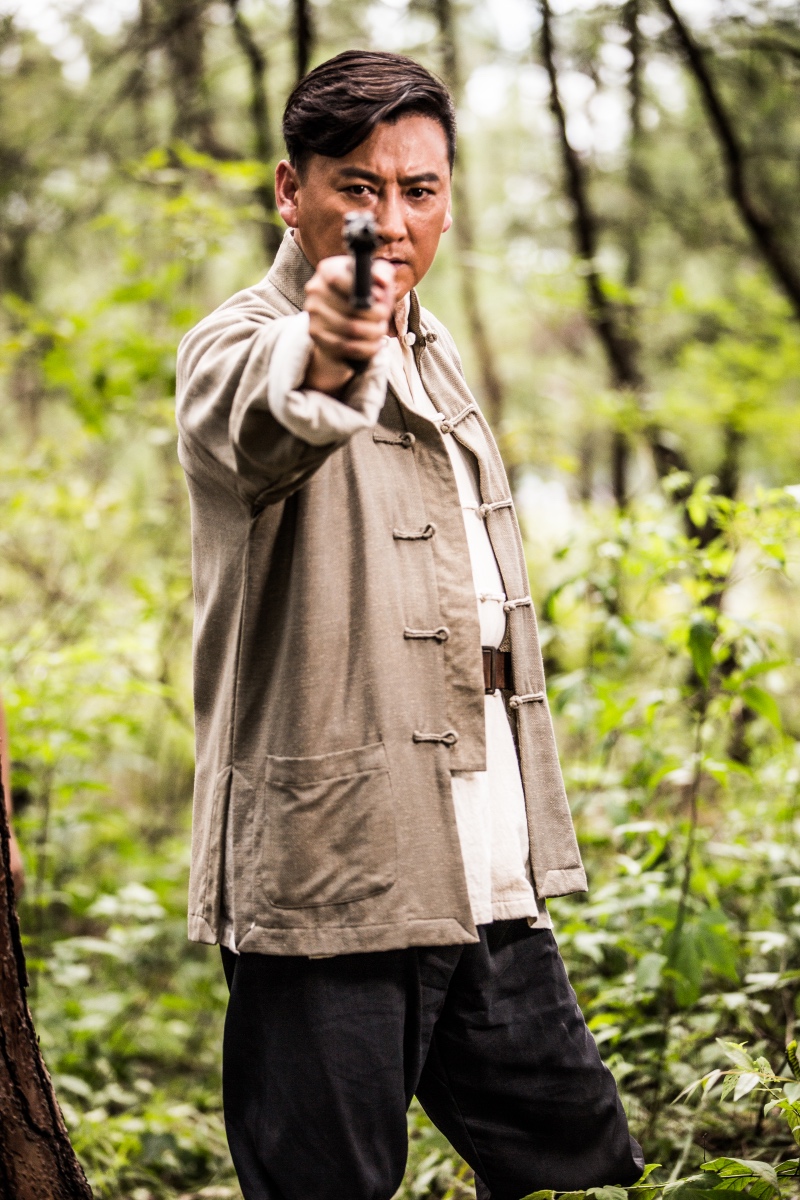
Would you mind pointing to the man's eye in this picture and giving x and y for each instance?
(419, 192)
(359, 189)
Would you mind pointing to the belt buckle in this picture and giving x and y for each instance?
(492, 669)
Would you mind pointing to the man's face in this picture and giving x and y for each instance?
(401, 174)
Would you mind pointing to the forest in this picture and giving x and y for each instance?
(623, 281)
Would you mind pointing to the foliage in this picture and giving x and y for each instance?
(130, 208)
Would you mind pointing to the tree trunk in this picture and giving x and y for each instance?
(182, 33)
(37, 1161)
(259, 113)
(302, 36)
(612, 324)
(761, 226)
(464, 230)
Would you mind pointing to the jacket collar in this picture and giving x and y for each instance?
(291, 271)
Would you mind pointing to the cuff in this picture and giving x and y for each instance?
(315, 417)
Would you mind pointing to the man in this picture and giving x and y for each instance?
(370, 848)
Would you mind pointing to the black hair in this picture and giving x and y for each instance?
(336, 106)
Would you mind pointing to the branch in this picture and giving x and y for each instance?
(761, 226)
(774, 44)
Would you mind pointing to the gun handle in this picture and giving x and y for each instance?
(362, 283)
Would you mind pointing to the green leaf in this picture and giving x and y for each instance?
(702, 635)
(648, 971)
(751, 1175)
(763, 703)
(703, 1187)
(646, 1173)
(609, 1192)
(792, 1114)
(736, 1052)
(745, 1084)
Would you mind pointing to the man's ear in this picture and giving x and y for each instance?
(448, 221)
(286, 186)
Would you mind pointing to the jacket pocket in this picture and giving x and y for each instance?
(329, 835)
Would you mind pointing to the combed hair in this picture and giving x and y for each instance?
(336, 106)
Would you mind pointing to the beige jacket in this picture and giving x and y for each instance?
(338, 676)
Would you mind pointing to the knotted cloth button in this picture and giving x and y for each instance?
(448, 738)
(410, 339)
(485, 509)
(431, 337)
(451, 422)
(405, 439)
(440, 635)
(414, 535)
(510, 605)
(529, 698)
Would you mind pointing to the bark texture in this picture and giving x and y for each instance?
(37, 1161)
(761, 226)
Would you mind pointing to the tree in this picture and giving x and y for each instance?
(464, 228)
(759, 222)
(259, 115)
(37, 1161)
(303, 36)
(619, 342)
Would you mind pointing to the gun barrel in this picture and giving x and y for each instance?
(362, 240)
(362, 282)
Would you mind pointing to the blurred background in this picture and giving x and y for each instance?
(623, 280)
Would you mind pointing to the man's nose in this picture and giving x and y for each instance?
(390, 217)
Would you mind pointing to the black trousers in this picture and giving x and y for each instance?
(321, 1059)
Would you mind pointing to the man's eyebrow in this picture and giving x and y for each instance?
(372, 177)
(360, 173)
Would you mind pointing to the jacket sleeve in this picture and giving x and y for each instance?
(243, 417)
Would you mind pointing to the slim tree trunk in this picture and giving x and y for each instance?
(37, 1161)
(637, 180)
(302, 36)
(609, 322)
(621, 447)
(464, 230)
(259, 114)
(761, 225)
(182, 34)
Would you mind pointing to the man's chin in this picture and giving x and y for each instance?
(403, 282)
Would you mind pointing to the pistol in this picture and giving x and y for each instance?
(361, 238)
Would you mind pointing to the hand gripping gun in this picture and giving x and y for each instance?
(361, 238)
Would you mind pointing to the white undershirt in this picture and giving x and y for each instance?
(489, 805)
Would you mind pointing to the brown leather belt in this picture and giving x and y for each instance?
(496, 669)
